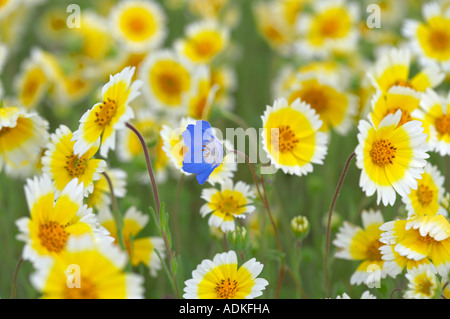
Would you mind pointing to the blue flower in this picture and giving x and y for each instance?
(205, 151)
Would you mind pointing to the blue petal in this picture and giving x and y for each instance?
(203, 176)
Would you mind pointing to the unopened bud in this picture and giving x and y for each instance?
(300, 226)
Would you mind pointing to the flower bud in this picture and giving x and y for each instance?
(300, 226)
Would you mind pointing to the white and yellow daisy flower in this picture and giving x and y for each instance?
(422, 283)
(391, 157)
(33, 81)
(105, 118)
(291, 136)
(396, 98)
(331, 28)
(87, 270)
(202, 96)
(54, 219)
(420, 237)
(139, 25)
(394, 263)
(94, 35)
(434, 112)
(167, 80)
(63, 165)
(22, 136)
(363, 244)
(335, 107)
(101, 194)
(203, 42)
(274, 27)
(140, 249)
(394, 67)
(225, 205)
(430, 39)
(221, 278)
(426, 200)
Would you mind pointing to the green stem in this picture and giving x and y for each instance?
(330, 213)
(117, 216)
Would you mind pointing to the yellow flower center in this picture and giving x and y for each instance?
(406, 117)
(226, 289)
(403, 83)
(57, 23)
(424, 287)
(382, 152)
(87, 290)
(373, 251)
(106, 113)
(424, 195)
(330, 28)
(53, 236)
(285, 137)
(316, 98)
(427, 239)
(170, 83)
(443, 124)
(439, 40)
(228, 205)
(75, 165)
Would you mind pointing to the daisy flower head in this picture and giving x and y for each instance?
(363, 244)
(33, 81)
(221, 278)
(434, 112)
(203, 42)
(22, 136)
(203, 95)
(397, 98)
(394, 263)
(420, 238)
(54, 219)
(426, 200)
(140, 249)
(430, 39)
(167, 80)
(225, 205)
(422, 283)
(274, 27)
(204, 151)
(391, 157)
(62, 164)
(335, 107)
(331, 28)
(291, 136)
(103, 120)
(394, 69)
(87, 269)
(139, 25)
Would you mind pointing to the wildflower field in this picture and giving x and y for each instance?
(220, 149)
